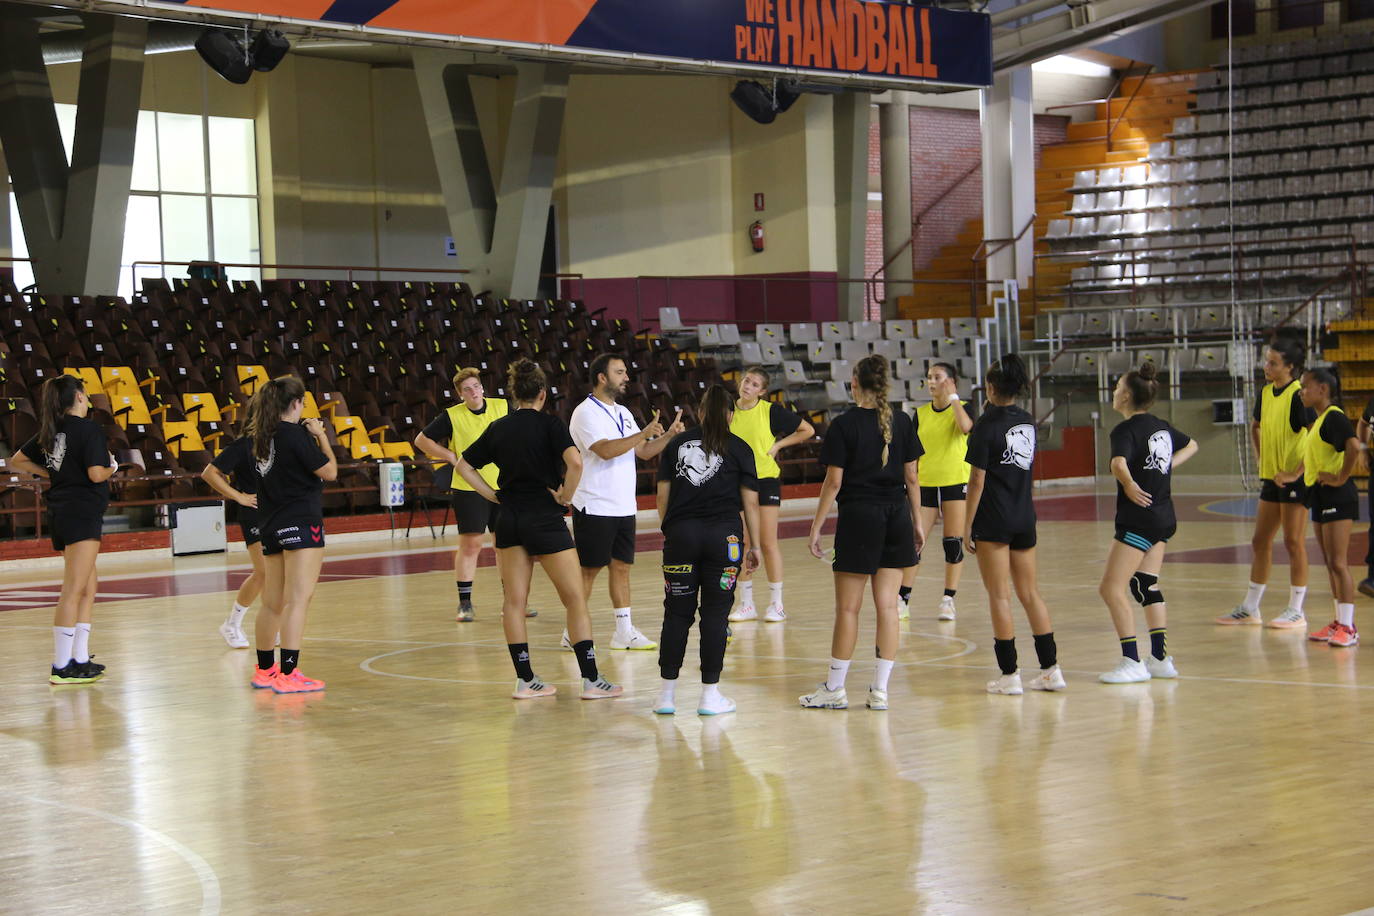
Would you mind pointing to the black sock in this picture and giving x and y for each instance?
(586, 659)
(464, 591)
(1157, 643)
(1129, 650)
(520, 656)
(1005, 650)
(951, 592)
(265, 659)
(290, 658)
(904, 593)
(1045, 650)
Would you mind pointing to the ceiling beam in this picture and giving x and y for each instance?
(1080, 24)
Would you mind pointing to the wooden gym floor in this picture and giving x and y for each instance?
(415, 785)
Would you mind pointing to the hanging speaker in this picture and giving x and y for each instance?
(788, 91)
(268, 48)
(754, 100)
(224, 55)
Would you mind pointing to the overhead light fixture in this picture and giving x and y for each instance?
(1071, 65)
(235, 59)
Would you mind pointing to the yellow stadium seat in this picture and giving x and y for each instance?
(250, 377)
(118, 380)
(130, 409)
(182, 436)
(201, 407)
(311, 410)
(397, 450)
(89, 377)
(353, 435)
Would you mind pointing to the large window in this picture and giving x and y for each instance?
(1242, 16)
(1297, 14)
(184, 205)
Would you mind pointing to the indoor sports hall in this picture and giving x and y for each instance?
(343, 344)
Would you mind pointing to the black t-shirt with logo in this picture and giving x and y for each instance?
(1148, 444)
(78, 444)
(1002, 444)
(854, 441)
(527, 448)
(288, 489)
(705, 487)
(236, 461)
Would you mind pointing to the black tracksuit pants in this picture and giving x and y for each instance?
(701, 562)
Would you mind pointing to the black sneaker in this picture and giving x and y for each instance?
(99, 668)
(465, 612)
(73, 673)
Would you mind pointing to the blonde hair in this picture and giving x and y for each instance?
(871, 373)
(462, 375)
(269, 402)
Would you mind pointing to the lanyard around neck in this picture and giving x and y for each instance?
(619, 420)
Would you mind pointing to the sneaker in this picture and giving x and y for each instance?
(465, 612)
(1127, 671)
(295, 682)
(1007, 684)
(719, 707)
(729, 635)
(566, 641)
(877, 699)
(743, 612)
(825, 698)
(946, 611)
(1240, 617)
(636, 640)
(665, 706)
(1325, 633)
(1049, 679)
(1345, 636)
(233, 635)
(532, 690)
(903, 608)
(600, 689)
(1161, 667)
(1290, 619)
(1366, 587)
(531, 612)
(263, 677)
(774, 614)
(73, 672)
(92, 664)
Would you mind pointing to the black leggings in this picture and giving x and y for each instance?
(701, 560)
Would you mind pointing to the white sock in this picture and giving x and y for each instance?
(1297, 594)
(236, 615)
(881, 673)
(710, 693)
(746, 593)
(1253, 593)
(623, 626)
(1345, 613)
(81, 644)
(667, 694)
(775, 594)
(62, 640)
(839, 670)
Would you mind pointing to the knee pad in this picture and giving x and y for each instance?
(954, 550)
(1145, 589)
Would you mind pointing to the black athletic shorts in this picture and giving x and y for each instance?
(67, 527)
(770, 491)
(1335, 504)
(1295, 492)
(602, 538)
(474, 513)
(1143, 539)
(291, 535)
(248, 524)
(933, 497)
(1016, 540)
(874, 535)
(540, 531)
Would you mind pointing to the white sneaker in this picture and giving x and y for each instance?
(774, 614)
(946, 608)
(1240, 617)
(743, 612)
(717, 707)
(877, 699)
(1161, 667)
(600, 689)
(666, 705)
(903, 608)
(1127, 671)
(233, 635)
(825, 698)
(636, 640)
(1007, 684)
(566, 641)
(1049, 679)
(1290, 619)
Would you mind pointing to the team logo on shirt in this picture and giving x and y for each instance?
(265, 465)
(59, 451)
(1020, 446)
(1161, 457)
(696, 464)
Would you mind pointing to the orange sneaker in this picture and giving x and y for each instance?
(1345, 636)
(1325, 633)
(263, 677)
(295, 682)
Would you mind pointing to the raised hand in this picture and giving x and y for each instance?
(654, 429)
(677, 425)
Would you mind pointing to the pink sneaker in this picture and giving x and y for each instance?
(1325, 633)
(1345, 636)
(263, 677)
(295, 682)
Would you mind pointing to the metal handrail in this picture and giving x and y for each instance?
(1127, 107)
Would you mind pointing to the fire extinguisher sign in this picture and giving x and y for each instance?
(758, 203)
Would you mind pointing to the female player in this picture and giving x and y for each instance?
(942, 426)
(1279, 427)
(530, 448)
(870, 457)
(1001, 450)
(705, 481)
(1145, 451)
(231, 476)
(70, 452)
(768, 428)
(292, 459)
(1329, 455)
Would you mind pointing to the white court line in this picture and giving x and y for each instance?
(1192, 677)
(210, 896)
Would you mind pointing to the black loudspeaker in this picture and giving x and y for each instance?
(268, 48)
(224, 55)
(787, 93)
(752, 99)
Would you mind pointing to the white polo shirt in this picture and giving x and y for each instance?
(607, 487)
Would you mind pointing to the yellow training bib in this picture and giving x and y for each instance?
(467, 429)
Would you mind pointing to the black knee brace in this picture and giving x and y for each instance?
(954, 550)
(1145, 589)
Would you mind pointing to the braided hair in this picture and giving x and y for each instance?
(871, 374)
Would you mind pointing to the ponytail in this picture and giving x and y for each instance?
(59, 394)
(1332, 381)
(1143, 385)
(714, 410)
(269, 402)
(1008, 376)
(871, 373)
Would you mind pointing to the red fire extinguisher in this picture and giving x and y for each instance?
(756, 235)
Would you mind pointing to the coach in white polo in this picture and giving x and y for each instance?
(604, 505)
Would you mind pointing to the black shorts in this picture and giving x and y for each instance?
(871, 535)
(1143, 539)
(1295, 492)
(933, 497)
(541, 531)
(289, 535)
(248, 524)
(770, 491)
(1016, 540)
(67, 527)
(474, 513)
(602, 538)
(1334, 504)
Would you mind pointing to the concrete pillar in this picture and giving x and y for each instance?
(894, 126)
(853, 111)
(1009, 173)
